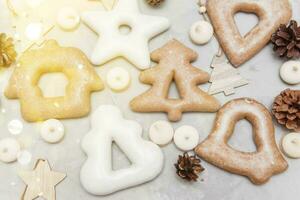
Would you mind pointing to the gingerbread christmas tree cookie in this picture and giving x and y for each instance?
(174, 65)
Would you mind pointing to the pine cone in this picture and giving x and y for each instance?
(154, 2)
(286, 40)
(286, 109)
(188, 167)
(7, 51)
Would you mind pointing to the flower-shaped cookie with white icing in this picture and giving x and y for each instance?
(133, 43)
(97, 175)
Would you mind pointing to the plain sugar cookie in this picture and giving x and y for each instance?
(9, 150)
(161, 133)
(201, 32)
(52, 131)
(291, 145)
(290, 72)
(186, 138)
(118, 79)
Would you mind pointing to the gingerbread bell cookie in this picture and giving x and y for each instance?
(258, 166)
(174, 64)
(238, 48)
(52, 58)
(97, 174)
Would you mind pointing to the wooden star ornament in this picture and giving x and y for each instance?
(31, 23)
(107, 4)
(41, 181)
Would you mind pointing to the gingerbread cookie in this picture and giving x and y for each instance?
(240, 48)
(174, 64)
(51, 58)
(258, 166)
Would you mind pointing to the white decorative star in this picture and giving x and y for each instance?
(113, 42)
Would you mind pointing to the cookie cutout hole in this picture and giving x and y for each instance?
(125, 29)
(296, 142)
(72, 18)
(173, 92)
(295, 69)
(245, 22)
(198, 30)
(53, 84)
(119, 158)
(52, 130)
(242, 137)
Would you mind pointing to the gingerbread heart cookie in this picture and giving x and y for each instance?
(239, 49)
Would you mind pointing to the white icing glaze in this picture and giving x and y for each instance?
(186, 138)
(291, 145)
(161, 132)
(118, 79)
(9, 149)
(133, 45)
(290, 72)
(68, 18)
(201, 32)
(226, 119)
(52, 131)
(97, 175)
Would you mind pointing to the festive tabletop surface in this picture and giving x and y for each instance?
(262, 72)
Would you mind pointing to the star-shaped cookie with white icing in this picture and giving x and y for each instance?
(115, 42)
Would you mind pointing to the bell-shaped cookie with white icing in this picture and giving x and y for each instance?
(97, 175)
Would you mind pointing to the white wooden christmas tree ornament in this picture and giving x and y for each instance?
(224, 78)
(97, 175)
(125, 32)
